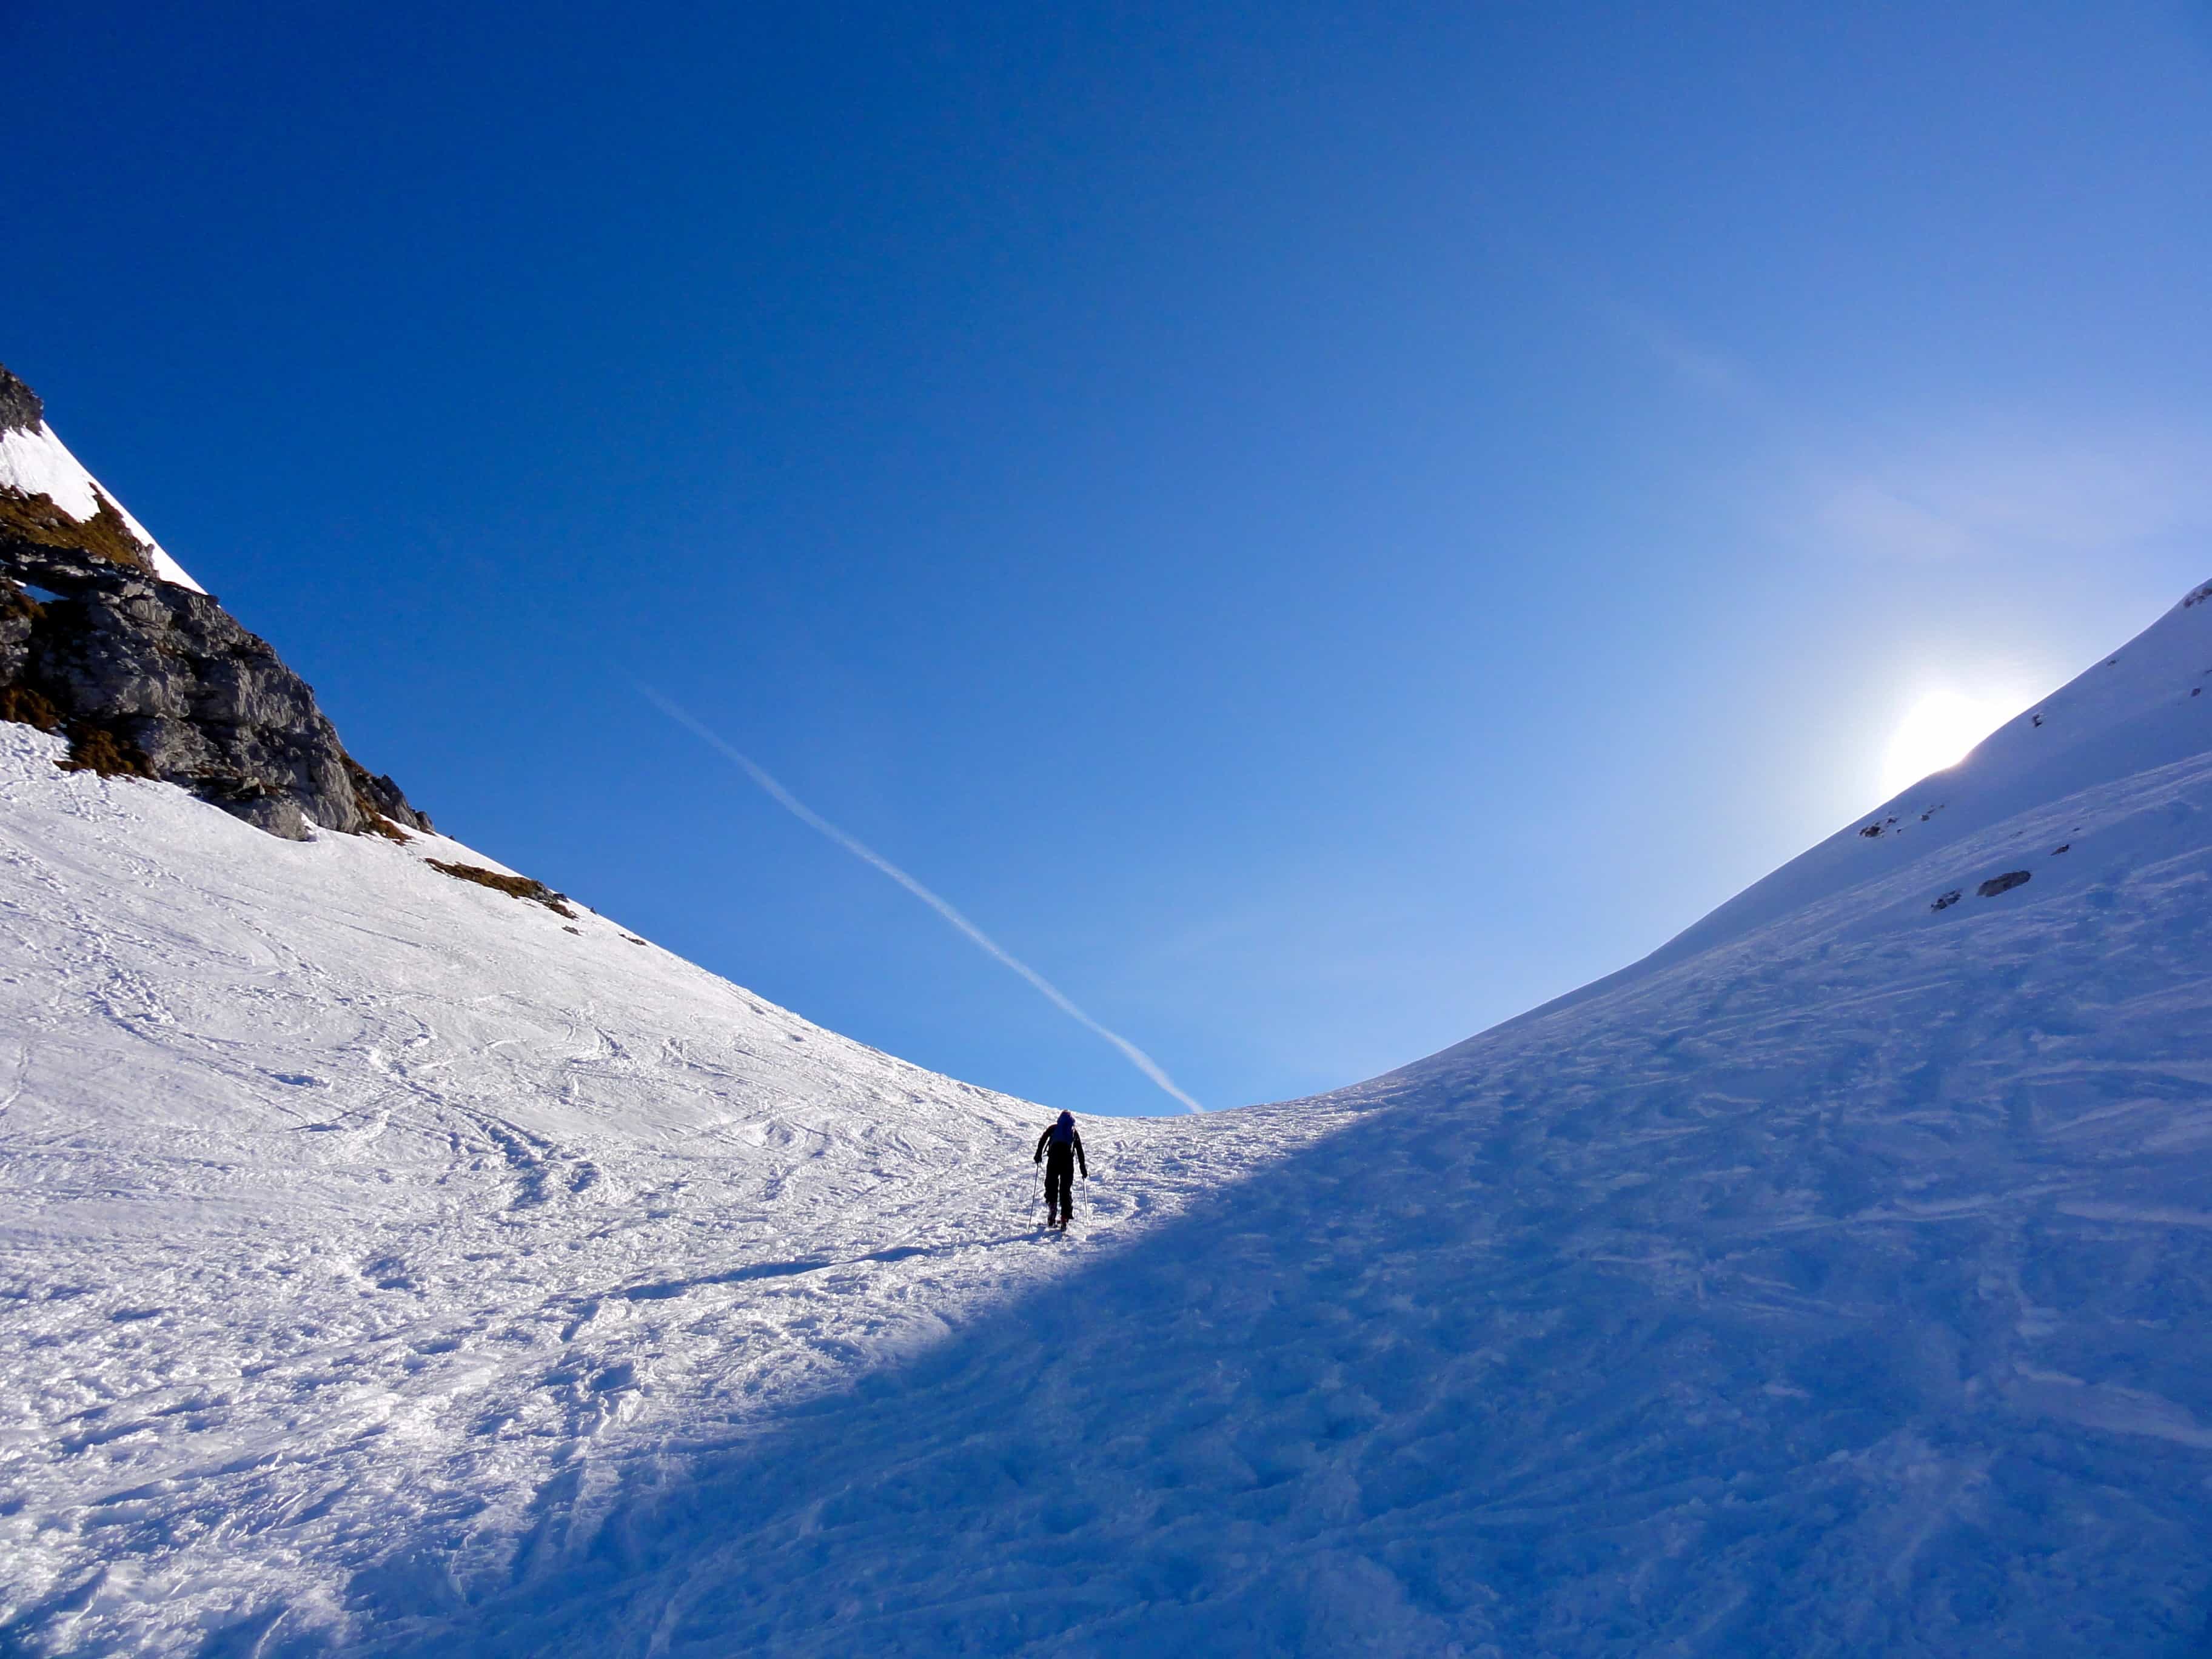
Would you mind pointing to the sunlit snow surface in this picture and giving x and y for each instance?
(36, 462)
(367, 1235)
(394, 1272)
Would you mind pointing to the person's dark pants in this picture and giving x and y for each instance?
(1059, 1190)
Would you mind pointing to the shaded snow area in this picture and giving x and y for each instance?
(36, 462)
(393, 1272)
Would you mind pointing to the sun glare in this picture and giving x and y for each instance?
(1938, 732)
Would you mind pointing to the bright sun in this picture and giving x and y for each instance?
(1937, 733)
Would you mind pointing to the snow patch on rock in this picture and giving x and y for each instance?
(34, 461)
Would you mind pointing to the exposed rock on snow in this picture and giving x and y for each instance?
(164, 677)
(21, 409)
(521, 887)
(47, 497)
(150, 676)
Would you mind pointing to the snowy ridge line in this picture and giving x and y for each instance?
(2148, 703)
(1906, 889)
(34, 461)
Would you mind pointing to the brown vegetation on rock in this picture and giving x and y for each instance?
(151, 678)
(97, 749)
(36, 520)
(521, 887)
(378, 798)
(373, 823)
(184, 691)
(25, 707)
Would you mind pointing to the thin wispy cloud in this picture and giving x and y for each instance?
(1961, 485)
(1700, 366)
(860, 849)
(1985, 487)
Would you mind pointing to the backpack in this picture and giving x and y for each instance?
(1063, 1134)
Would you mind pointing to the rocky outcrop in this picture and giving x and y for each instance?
(21, 408)
(179, 692)
(153, 679)
(521, 887)
(49, 500)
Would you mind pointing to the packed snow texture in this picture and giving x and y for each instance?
(394, 1270)
(369, 1232)
(36, 462)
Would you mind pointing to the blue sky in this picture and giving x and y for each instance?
(1317, 527)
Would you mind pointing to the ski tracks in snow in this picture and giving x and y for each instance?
(370, 1234)
(428, 1277)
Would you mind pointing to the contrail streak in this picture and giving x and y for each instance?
(860, 849)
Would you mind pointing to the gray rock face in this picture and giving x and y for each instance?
(20, 408)
(154, 678)
(18, 615)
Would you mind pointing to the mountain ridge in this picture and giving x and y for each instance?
(401, 1258)
(48, 498)
(2154, 711)
(148, 673)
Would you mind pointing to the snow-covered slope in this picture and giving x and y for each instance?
(34, 461)
(2139, 707)
(358, 1218)
(396, 1272)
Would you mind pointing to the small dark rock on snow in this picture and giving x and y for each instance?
(2003, 883)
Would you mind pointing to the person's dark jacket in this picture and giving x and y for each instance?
(1063, 1149)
